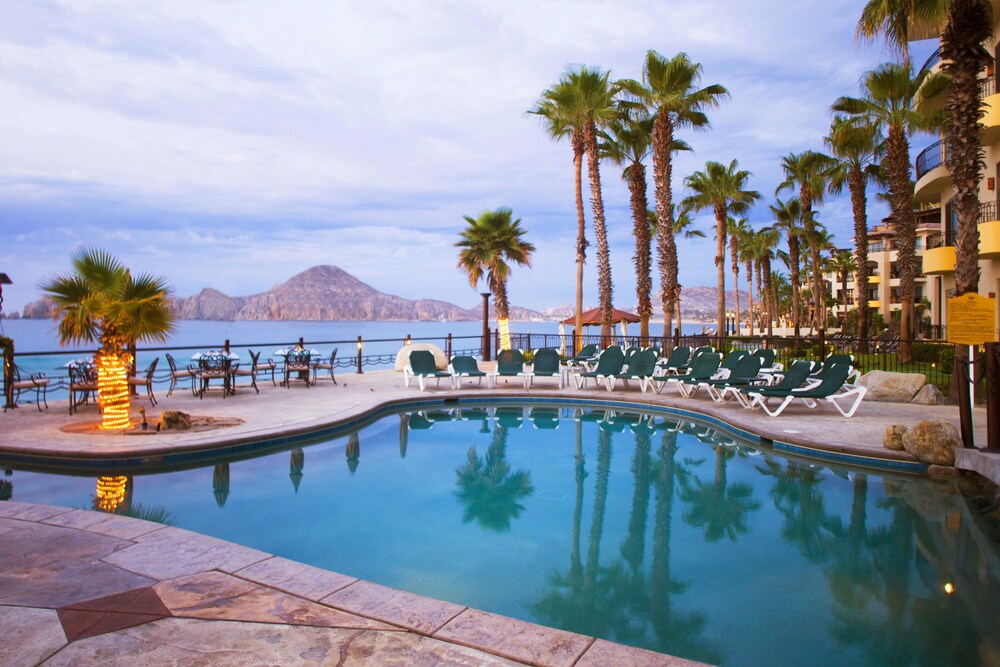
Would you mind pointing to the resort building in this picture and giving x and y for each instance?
(934, 192)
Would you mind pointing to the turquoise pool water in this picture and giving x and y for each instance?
(662, 534)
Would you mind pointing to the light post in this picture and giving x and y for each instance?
(7, 355)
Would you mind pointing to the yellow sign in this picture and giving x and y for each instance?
(972, 319)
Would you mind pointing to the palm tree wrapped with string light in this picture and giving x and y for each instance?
(102, 302)
(487, 245)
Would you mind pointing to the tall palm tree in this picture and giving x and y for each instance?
(818, 240)
(967, 25)
(889, 99)
(559, 107)
(626, 141)
(102, 302)
(736, 229)
(857, 150)
(747, 252)
(788, 220)
(843, 263)
(765, 245)
(683, 228)
(723, 189)
(670, 93)
(486, 245)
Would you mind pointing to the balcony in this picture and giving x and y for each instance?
(989, 239)
(991, 110)
(939, 260)
(874, 305)
(932, 175)
(874, 279)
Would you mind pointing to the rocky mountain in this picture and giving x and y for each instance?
(209, 304)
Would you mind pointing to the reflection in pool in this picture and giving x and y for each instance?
(637, 528)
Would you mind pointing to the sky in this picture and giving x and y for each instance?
(231, 145)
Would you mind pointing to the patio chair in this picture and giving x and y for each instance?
(641, 368)
(546, 365)
(463, 366)
(247, 372)
(698, 351)
(214, 367)
(820, 369)
(832, 390)
(298, 366)
(677, 358)
(265, 366)
(792, 379)
(326, 366)
(36, 382)
(510, 363)
(175, 374)
(82, 383)
(146, 380)
(743, 374)
(422, 367)
(611, 362)
(630, 352)
(766, 357)
(704, 367)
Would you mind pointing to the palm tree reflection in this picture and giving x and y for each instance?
(220, 483)
(488, 488)
(295, 466)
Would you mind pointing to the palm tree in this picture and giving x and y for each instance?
(857, 149)
(818, 241)
(670, 93)
(626, 142)
(487, 244)
(967, 25)
(489, 488)
(809, 170)
(889, 96)
(101, 302)
(737, 231)
(683, 227)
(722, 189)
(843, 263)
(765, 245)
(747, 252)
(787, 219)
(559, 106)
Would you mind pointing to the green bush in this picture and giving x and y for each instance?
(929, 353)
(946, 359)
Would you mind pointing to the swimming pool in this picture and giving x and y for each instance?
(647, 529)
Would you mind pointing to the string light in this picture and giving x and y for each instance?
(110, 492)
(948, 588)
(504, 334)
(112, 390)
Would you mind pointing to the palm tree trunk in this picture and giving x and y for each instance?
(720, 265)
(819, 313)
(734, 257)
(793, 259)
(666, 244)
(604, 286)
(640, 217)
(859, 209)
(765, 263)
(897, 163)
(581, 237)
(750, 294)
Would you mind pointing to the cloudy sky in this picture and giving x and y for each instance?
(233, 144)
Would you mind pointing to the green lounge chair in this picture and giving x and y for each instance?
(832, 390)
(766, 357)
(587, 353)
(423, 368)
(510, 363)
(738, 366)
(463, 366)
(641, 368)
(742, 375)
(820, 370)
(704, 367)
(678, 358)
(698, 351)
(546, 365)
(793, 379)
(611, 362)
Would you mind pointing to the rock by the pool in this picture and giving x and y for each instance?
(933, 441)
(893, 437)
(175, 420)
(892, 387)
(929, 394)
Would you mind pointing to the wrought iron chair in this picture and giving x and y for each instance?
(36, 382)
(250, 372)
(82, 383)
(146, 380)
(214, 367)
(297, 362)
(175, 374)
(325, 365)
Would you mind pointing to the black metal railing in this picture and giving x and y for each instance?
(931, 157)
(987, 211)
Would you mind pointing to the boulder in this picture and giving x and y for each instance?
(893, 438)
(892, 387)
(175, 420)
(929, 394)
(931, 500)
(933, 441)
(403, 356)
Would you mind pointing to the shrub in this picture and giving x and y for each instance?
(946, 359)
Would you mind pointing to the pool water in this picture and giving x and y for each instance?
(641, 529)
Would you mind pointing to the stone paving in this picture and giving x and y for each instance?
(78, 587)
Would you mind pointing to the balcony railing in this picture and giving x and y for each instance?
(987, 211)
(931, 157)
(987, 87)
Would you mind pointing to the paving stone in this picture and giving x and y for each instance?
(604, 653)
(28, 635)
(518, 640)
(103, 523)
(29, 512)
(416, 612)
(298, 579)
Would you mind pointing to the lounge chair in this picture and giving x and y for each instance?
(463, 366)
(698, 351)
(832, 389)
(510, 363)
(766, 357)
(677, 358)
(641, 368)
(792, 379)
(587, 353)
(738, 365)
(743, 374)
(423, 368)
(146, 380)
(610, 363)
(36, 382)
(631, 352)
(247, 372)
(176, 374)
(326, 366)
(704, 367)
(820, 369)
(546, 365)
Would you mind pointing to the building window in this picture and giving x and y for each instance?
(877, 246)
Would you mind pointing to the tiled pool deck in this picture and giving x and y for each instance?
(79, 587)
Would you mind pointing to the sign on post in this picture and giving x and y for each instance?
(971, 319)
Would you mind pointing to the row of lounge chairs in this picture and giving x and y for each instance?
(751, 378)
